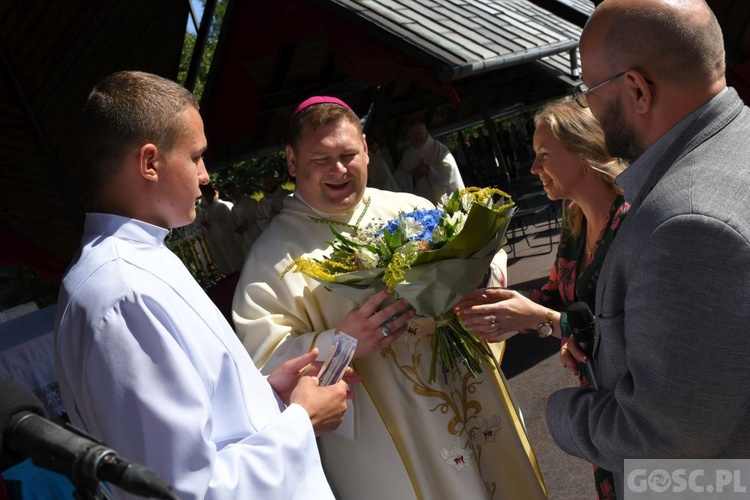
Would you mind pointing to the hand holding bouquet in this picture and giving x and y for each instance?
(431, 258)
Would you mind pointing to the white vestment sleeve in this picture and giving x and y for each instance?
(147, 363)
(163, 412)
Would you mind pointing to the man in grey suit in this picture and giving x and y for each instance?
(673, 298)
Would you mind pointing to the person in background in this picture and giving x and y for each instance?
(245, 212)
(379, 170)
(144, 359)
(221, 197)
(427, 167)
(574, 165)
(406, 438)
(219, 224)
(671, 319)
(273, 198)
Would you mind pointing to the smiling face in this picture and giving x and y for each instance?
(181, 170)
(330, 166)
(559, 169)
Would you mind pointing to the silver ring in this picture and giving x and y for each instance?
(491, 319)
(386, 331)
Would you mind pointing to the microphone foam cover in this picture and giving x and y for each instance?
(579, 315)
(14, 398)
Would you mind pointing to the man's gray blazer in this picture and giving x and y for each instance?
(673, 310)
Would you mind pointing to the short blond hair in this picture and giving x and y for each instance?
(131, 108)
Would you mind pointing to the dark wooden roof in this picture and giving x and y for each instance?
(449, 61)
(52, 52)
(460, 38)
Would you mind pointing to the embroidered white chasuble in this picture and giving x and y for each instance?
(405, 438)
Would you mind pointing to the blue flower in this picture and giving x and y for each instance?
(416, 225)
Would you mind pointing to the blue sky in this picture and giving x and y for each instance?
(198, 8)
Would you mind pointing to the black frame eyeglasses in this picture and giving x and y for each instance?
(580, 90)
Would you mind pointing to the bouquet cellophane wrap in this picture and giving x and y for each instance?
(438, 279)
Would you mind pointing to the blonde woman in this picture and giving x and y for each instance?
(574, 165)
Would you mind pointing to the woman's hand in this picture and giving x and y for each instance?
(571, 355)
(496, 314)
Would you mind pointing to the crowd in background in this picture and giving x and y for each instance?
(230, 220)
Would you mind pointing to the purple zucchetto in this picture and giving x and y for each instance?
(320, 99)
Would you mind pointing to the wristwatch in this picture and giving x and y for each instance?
(546, 328)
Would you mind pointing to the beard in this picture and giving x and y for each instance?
(618, 133)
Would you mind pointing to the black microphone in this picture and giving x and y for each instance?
(581, 321)
(25, 432)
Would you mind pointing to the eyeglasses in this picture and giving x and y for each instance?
(580, 90)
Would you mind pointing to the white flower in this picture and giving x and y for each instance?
(367, 258)
(457, 220)
(409, 251)
(467, 199)
(410, 227)
(438, 235)
(457, 456)
(443, 200)
(487, 430)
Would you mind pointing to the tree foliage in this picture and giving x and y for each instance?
(188, 48)
(245, 174)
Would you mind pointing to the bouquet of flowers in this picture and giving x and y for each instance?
(432, 258)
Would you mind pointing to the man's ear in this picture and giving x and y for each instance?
(291, 161)
(639, 91)
(149, 162)
(365, 150)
